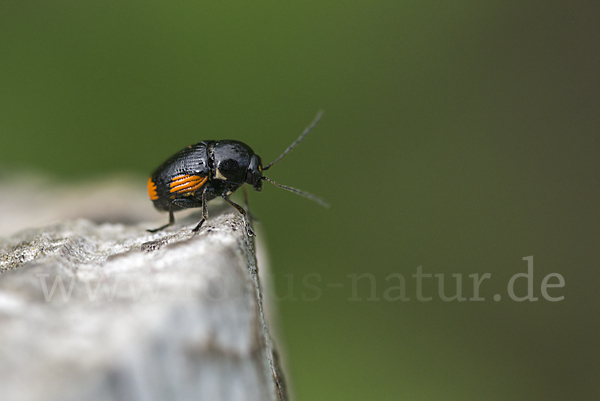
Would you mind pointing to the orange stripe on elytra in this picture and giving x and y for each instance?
(188, 188)
(184, 186)
(152, 189)
(181, 179)
(187, 183)
(197, 186)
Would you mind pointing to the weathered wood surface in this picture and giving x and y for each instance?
(106, 311)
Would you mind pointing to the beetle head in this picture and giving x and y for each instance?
(254, 172)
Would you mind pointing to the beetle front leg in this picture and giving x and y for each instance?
(242, 211)
(251, 217)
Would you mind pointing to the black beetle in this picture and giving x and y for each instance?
(211, 169)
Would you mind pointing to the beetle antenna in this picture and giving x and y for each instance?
(297, 141)
(299, 192)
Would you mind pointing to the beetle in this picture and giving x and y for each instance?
(210, 169)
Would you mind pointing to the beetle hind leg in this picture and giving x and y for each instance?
(170, 223)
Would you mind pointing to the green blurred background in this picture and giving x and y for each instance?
(458, 136)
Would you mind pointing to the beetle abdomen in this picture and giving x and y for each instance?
(182, 175)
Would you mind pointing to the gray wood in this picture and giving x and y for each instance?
(164, 316)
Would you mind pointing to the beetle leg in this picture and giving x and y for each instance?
(251, 217)
(242, 211)
(170, 223)
(204, 212)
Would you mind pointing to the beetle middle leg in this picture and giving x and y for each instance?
(204, 213)
(242, 212)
